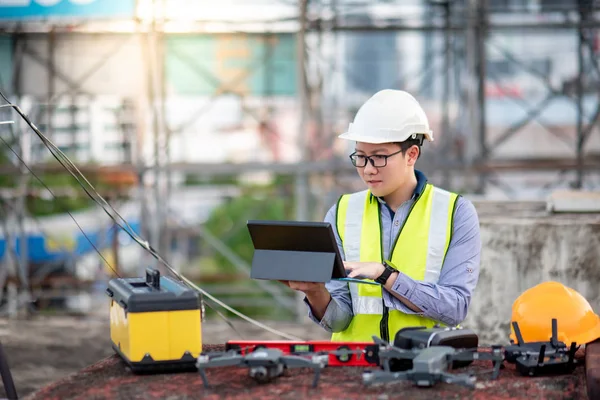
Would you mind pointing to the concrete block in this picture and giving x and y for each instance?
(573, 201)
(525, 246)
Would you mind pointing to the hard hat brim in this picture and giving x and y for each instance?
(356, 137)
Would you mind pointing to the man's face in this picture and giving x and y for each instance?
(384, 180)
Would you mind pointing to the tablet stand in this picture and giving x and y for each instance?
(286, 265)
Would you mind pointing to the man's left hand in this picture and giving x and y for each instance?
(364, 270)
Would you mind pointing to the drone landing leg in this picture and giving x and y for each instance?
(316, 378)
(204, 379)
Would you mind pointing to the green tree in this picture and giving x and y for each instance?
(48, 205)
(228, 223)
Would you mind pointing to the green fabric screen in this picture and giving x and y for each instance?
(6, 64)
(246, 64)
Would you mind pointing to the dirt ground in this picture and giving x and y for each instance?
(43, 349)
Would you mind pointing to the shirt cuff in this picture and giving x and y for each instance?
(330, 318)
(325, 322)
(404, 286)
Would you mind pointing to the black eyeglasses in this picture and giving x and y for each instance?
(377, 160)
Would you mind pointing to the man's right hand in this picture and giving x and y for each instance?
(316, 293)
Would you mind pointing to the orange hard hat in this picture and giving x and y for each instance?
(535, 308)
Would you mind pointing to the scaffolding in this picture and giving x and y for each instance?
(467, 157)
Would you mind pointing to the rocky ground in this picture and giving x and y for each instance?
(43, 349)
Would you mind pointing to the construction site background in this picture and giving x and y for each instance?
(191, 118)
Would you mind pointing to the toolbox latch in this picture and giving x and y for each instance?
(153, 278)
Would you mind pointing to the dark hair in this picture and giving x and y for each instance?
(407, 144)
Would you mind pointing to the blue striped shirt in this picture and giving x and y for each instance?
(447, 300)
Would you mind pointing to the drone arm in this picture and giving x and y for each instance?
(300, 361)
(460, 379)
(495, 356)
(225, 361)
(378, 376)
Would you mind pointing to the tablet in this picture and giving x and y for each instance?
(296, 251)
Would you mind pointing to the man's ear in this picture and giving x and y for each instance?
(412, 154)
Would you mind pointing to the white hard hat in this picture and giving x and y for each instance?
(389, 116)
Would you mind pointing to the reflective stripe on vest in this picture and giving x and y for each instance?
(419, 253)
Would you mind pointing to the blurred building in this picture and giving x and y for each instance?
(224, 96)
(372, 60)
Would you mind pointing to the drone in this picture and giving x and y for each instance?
(536, 358)
(420, 337)
(264, 364)
(430, 365)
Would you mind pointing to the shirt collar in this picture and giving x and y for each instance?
(421, 182)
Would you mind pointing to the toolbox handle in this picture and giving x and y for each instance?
(153, 278)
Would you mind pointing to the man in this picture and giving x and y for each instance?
(419, 242)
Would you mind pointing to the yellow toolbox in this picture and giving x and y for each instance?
(154, 322)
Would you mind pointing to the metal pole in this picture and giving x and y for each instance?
(10, 260)
(50, 89)
(22, 262)
(153, 89)
(302, 177)
(158, 222)
(481, 59)
(477, 148)
(74, 131)
(447, 142)
(115, 240)
(471, 91)
(165, 131)
(20, 206)
(580, 135)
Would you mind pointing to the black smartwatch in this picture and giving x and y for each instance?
(382, 279)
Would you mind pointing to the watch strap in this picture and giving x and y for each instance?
(382, 279)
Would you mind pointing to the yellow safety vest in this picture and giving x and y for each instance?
(418, 252)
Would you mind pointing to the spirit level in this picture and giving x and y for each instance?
(356, 354)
